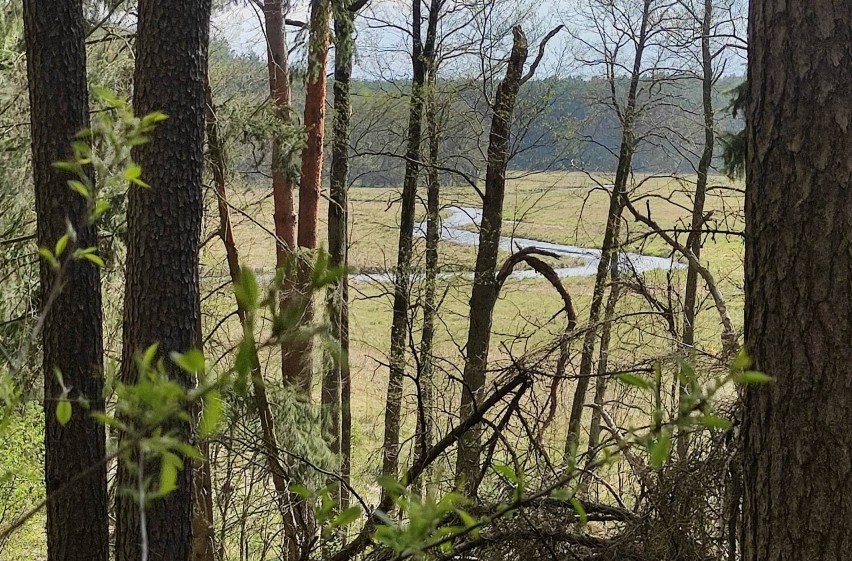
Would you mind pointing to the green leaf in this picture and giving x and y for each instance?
(211, 416)
(302, 490)
(168, 473)
(246, 290)
(742, 361)
(94, 258)
(101, 207)
(635, 381)
(152, 119)
(108, 97)
(191, 362)
(752, 377)
(63, 411)
(715, 422)
(146, 361)
(71, 167)
(134, 175)
(581, 512)
(391, 484)
(507, 471)
(48, 256)
(661, 449)
(190, 451)
(133, 172)
(466, 518)
(80, 187)
(347, 517)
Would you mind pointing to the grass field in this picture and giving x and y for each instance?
(567, 208)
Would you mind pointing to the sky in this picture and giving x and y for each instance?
(383, 43)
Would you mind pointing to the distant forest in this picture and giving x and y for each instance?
(561, 124)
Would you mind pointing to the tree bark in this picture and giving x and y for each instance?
(298, 354)
(485, 285)
(314, 120)
(425, 373)
(279, 90)
(336, 387)
(694, 242)
(72, 341)
(402, 277)
(613, 226)
(164, 227)
(602, 380)
(798, 274)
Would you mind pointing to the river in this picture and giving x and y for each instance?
(456, 229)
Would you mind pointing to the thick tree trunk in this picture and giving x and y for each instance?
(402, 275)
(485, 285)
(337, 368)
(798, 311)
(425, 373)
(164, 227)
(72, 335)
(694, 242)
(608, 248)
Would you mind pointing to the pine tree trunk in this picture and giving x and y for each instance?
(277, 64)
(164, 227)
(798, 274)
(298, 355)
(485, 286)
(314, 120)
(77, 523)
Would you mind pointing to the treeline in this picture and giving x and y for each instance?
(562, 123)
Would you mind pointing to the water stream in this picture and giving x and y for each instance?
(455, 229)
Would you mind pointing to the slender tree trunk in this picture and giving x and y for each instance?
(402, 276)
(204, 546)
(608, 248)
(164, 227)
(602, 380)
(798, 274)
(277, 469)
(203, 530)
(485, 285)
(425, 374)
(337, 367)
(298, 353)
(279, 90)
(314, 119)
(694, 242)
(72, 336)
(282, 184)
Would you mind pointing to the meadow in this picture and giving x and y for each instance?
(566, 208)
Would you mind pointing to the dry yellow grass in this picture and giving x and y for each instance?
(563, 208)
